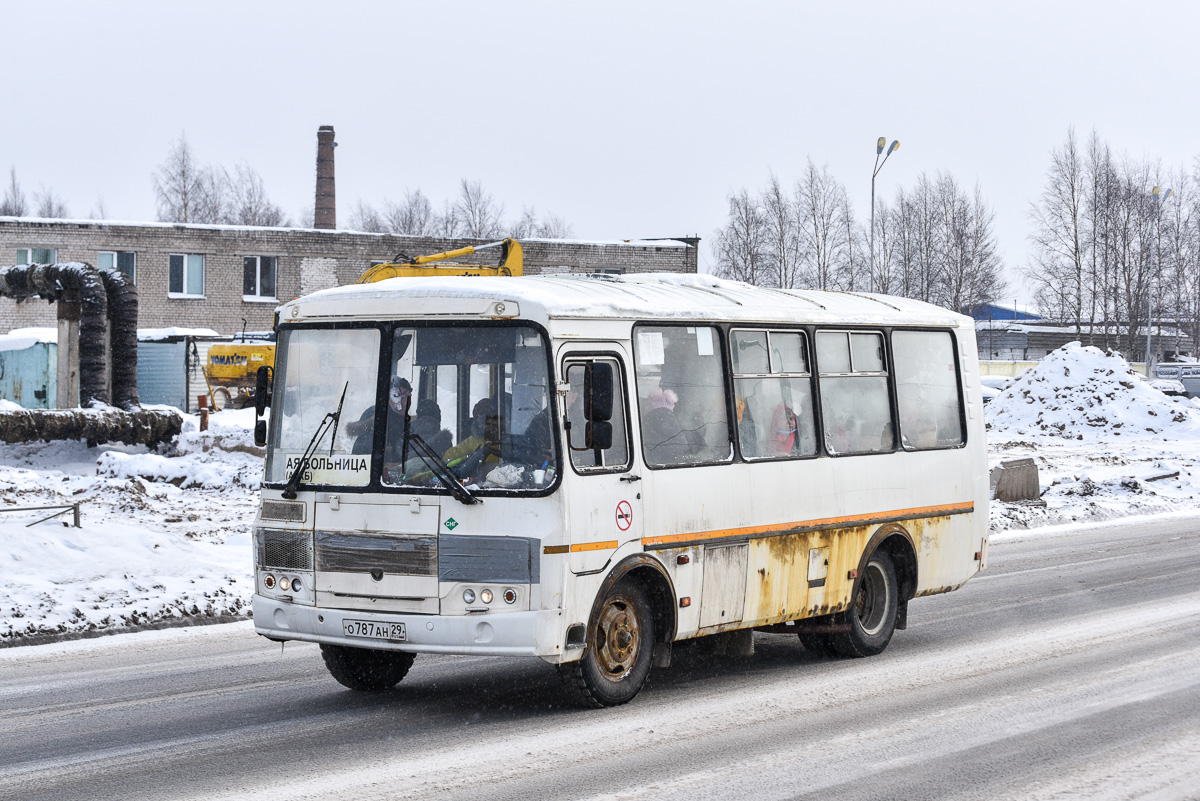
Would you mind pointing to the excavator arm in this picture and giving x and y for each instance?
(512, 262)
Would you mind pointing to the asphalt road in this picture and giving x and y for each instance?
(1070, 669)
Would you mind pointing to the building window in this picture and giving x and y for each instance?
(37, 256)
(118, 260)
(186, 275)
(258, 278)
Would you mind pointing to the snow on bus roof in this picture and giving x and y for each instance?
(640, 296)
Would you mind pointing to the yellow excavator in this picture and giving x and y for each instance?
(512, 262)
(232, 367)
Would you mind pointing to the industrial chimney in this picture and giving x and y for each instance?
(326, 207)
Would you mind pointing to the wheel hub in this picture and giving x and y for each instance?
(617, 637)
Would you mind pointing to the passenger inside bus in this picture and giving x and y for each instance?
(363, 429)
(428, 426)
(483, 442)
(665, 440)
(538, 439)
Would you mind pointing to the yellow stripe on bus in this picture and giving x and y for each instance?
(785, 528)
(607, 545)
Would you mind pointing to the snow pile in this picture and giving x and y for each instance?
(1106, 443)
(164, 540)
(1084, 394)
(223, 457)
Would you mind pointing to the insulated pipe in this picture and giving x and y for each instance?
(122, 317)
(52, 281)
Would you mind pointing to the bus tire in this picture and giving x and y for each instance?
(365, 669)
(619, 651)
(873, 611)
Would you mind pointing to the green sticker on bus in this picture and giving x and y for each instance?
(452, 524)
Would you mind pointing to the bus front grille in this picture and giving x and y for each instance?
(283, 550)
(394, 554)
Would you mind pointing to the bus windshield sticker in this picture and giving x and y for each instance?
(650, 347)
(345, 470)
(704, 342)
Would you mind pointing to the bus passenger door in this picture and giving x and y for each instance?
(604, 502)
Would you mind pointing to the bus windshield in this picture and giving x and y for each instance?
(473, 401)
(479, 407)
(313, 367)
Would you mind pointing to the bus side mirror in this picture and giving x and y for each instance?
(262, 390)
(260, 433)
(598, 435)
(598, 393)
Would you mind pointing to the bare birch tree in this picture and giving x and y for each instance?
(818, 199)
(781, 237)
(50, 205)
(13, 204)
(177, 184)
(1057, 263)
(365, 217)
(482, 217)
(740, 246)
(413, 215)
(248, 201)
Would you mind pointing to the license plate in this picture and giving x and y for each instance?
(371, 630)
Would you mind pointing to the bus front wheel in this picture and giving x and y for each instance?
(872, 614)
(366, 669)
(620, 646)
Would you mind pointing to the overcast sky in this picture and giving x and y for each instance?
(628, 120)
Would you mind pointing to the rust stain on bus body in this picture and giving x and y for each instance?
(778, 587)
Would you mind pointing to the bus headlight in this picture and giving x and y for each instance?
(469, 596)
(486, 596)
(283, 583)
(269, 581)
(510, 596)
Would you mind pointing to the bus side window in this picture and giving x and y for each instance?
(681, 395)
(855, 405)
(772, 388)
(927, 389)
(583, 458)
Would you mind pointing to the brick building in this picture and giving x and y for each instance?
(213, 276)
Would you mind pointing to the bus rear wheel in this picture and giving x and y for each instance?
(620, 646)
(365, 669)
(872, 613)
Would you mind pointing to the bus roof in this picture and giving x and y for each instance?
(652, 296)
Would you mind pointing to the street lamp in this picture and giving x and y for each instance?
(1158, 198)
(879, 145)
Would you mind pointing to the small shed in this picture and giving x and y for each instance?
(170, 365)
(29, 367)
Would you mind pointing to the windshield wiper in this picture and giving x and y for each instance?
(328, 422)
(441, 470)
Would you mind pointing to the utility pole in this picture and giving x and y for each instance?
(878, 166)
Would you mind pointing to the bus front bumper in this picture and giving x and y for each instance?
(534, 633)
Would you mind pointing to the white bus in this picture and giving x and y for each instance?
(589, 469)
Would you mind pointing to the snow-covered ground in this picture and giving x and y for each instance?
(166, 541)
(164, 538)
(1106, 443)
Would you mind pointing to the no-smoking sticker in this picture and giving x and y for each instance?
(624, 515)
